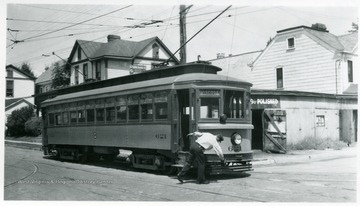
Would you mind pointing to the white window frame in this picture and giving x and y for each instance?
(287, 43)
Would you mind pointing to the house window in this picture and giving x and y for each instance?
(9, 73)
(76, 75)
(9, 88)
(350, 71)
(98, 70)
(155, 48)
(79, 53)
(320, 120)
(85, 72)
(279, 78)
(291, 43)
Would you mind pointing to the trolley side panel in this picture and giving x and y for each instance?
(152, 136)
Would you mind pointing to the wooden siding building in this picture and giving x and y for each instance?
(20, 89)
(305, 86)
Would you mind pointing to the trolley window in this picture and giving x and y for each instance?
(51, 119)
(65, 118)
(73, 117)
(161, 105)
(100, 110)
(81, 116)
(58, 119)
(121, 109)
(209, 107)
(110, 114)
(133, 106)
(146, 106)
(234, 104)
(100, 115)
(90, 111)
(110, 109)
(81, 112)
(90, 115)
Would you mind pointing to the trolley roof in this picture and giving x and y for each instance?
(173, 82)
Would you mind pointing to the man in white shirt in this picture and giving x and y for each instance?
(204, 141)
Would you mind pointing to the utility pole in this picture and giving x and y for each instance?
(183, 11)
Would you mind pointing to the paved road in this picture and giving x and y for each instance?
(29, 176)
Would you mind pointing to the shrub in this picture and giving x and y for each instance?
(33, 126)
(16, 121)
(316, 144)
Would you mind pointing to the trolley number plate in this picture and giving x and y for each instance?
(160, 136)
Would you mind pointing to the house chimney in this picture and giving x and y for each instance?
(113, 37)
(319, 27)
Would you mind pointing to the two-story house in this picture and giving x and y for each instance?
(94, 61)
(20, 88)
(305, 86)
(308, 59)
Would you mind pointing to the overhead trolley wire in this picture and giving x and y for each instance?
(77, 23)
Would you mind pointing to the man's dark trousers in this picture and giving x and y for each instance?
(196, 154)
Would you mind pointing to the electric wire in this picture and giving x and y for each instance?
(78, 23)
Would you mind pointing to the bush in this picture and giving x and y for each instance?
(33, 126)
(317, 144)
(16, 121)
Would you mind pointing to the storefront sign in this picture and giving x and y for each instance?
(264, 102)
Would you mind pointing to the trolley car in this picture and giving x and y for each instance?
(152, 117)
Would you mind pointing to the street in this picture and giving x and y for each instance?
(30, 176)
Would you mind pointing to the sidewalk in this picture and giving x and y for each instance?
(297, 156)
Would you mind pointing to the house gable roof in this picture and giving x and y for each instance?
(11, 103)
(343, 43)
(47, 74)
(21, 72)
(116, 48)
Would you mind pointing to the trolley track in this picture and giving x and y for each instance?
(36, 169)
(124, 190)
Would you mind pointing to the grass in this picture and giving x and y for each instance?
(37, 139)
(309, 143)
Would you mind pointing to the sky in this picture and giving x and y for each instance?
(41, 32)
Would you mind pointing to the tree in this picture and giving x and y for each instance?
(17, 119)
(25, 67)
(60, 75)
(269, 41)
(355, 27)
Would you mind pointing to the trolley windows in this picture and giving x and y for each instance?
(234, 104)
(209, 107)
(161, 106)
(146, 106)
(100, 115)
(133, 105)
(58, 119)
(90, 115)
(81, 116)
(121, 113)
(110, 114)
(65, 118)
(73, 117)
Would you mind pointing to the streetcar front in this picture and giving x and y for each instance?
(227, 112)
(221, 105)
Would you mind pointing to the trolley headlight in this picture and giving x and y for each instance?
(236, 138)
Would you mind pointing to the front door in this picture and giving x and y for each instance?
(186, 116)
